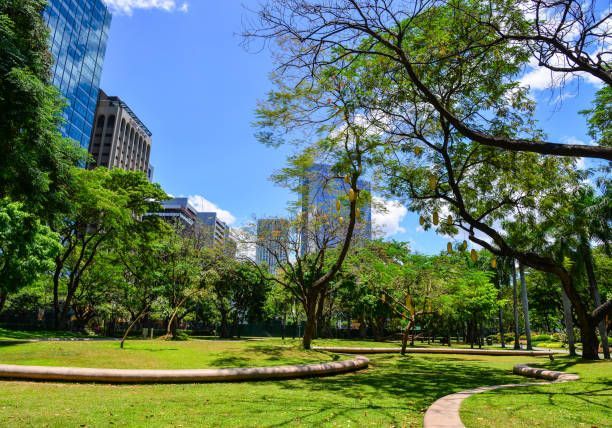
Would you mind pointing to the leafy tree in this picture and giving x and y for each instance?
(98, 291)
(185, 275)
(239, 294)
(103, 204)
(27, 248)
(426, 156)
(472, 41)
(599, 117)
(35, 160)
(307, 267)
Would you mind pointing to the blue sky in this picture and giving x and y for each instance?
(180, 66)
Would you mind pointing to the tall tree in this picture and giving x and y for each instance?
(35, 160)
(426, 156)
(27, 248)
(103, 204)
(418, 38)
(525, 305)
(324, 110)
(515, 309)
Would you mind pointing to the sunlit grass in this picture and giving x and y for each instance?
(159, 354)
(586, 402)
(394, 391)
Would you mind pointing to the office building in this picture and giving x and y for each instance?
(179, 212)
(321, 190)
(78, 35)
(217, 230)
(120, 139)
(206, 226)
(272, 242)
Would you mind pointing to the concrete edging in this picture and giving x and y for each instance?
(78, 374)
(459, 351)
(444, 412)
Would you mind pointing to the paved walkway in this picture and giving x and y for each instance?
(444, 413)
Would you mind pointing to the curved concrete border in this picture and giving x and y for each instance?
(444, 413)
(349, 350)
(77, 374)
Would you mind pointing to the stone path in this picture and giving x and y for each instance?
(444, 413)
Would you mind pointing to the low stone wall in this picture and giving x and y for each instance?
(525, 370)
(409, 350)
(76, 374)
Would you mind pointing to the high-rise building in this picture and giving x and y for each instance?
(78, 35)
(321, 189)
(120, 139)
(179, 211)
(206, 226)
(272, 242)
(218, 230)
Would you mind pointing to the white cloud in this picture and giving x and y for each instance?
(128, 6)
(202, 204)
(387, 216)
(541, 78)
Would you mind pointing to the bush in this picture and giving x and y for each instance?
(543, 338)
(181, 335)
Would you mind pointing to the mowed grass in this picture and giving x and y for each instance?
(393, 391)
(8, 334)
(583, 403)
(159, 354)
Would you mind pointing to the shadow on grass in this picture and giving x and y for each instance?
(416, 382)
(233, 361)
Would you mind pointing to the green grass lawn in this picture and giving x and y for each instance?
(158, 354)
(586, 402)
(394, 391)
(7, 334)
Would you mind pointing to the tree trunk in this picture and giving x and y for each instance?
(525, 305)
(569, 322)
(588, 326)
(472, 332)
(224, 328)
(594, 289)
(283, 322)
(310, 329)
(132, 326)
(500, 315)
(172, 327)
(517, 344)
(66, 306)
(405, 335)
(501, 328)
(56, 308)
(320, 307)
(3, 296)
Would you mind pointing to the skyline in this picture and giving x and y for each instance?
(196, 88)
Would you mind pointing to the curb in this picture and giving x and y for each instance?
(444, 412)
(450, 351)
(77, 374)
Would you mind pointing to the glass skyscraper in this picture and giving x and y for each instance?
(320, 192)
(78, 35)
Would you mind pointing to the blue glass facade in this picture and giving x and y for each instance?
(320, 192)
(78, 35)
